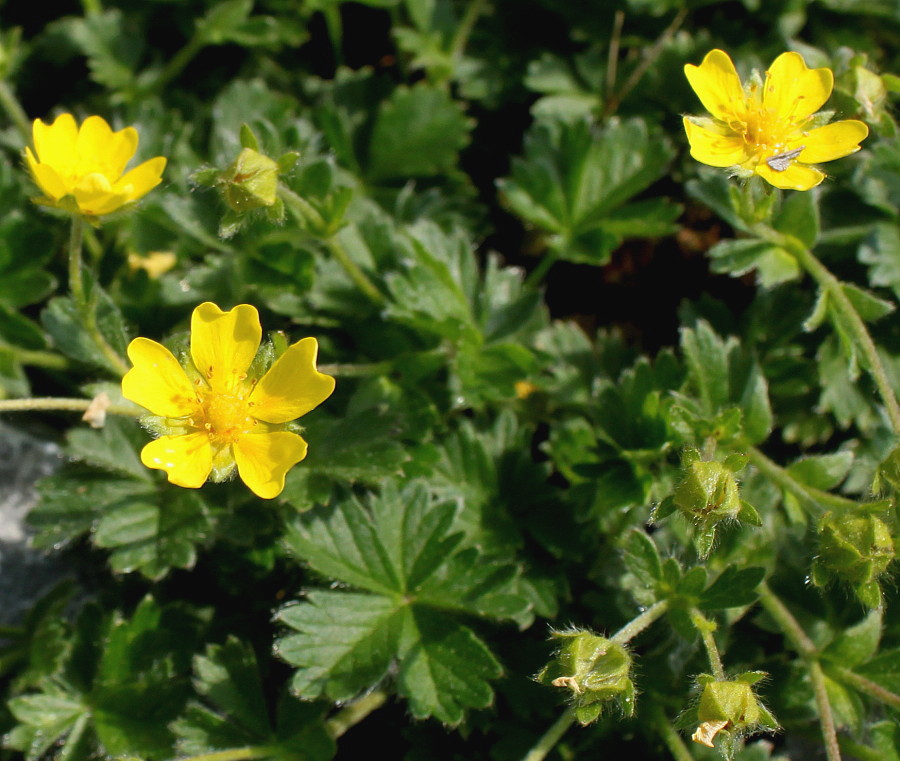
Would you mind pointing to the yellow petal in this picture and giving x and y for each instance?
(292, 386)
(711, 148)
(121, 148)
(55, 143)
(95, 195)
(795, 177)
(157, 381)
(46, 177)
(223, 344)
(142, 179)
(717, 84)
(793, 91)
(833, 141)
(93, 144)
(264, 459)
(186, 459)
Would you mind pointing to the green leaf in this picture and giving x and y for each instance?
(235, 711)
(869, 306)
(856, 644)
(883, 669)
(822, 471)
(707, 359)
(881, 251)
(734, 588)
(48, 717)
(112, 447)
(642, 558)
(737, 257)
(418, 132)
(799, 217)
(112, 47)
(574, 180)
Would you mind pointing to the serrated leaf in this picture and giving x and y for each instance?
(773, 264)
(573, 177)
(822, 471)
(858, 643)
(799, 217)
(734, 588)
(111, 447)
(418, 132)
(883, 669)
(641, 557)
(881, 251)
(868, 305)
(707, 358)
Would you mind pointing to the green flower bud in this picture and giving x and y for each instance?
(857, 548)
(730, 709)
(708, 493)
(251, 182)
(594, 669)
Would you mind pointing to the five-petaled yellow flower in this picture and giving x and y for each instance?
(770, 127)
(214, 413)
(86, 164)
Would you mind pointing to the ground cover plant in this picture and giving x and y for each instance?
(508, 380)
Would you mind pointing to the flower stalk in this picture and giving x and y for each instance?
(705, 628)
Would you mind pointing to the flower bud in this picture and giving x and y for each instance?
(730, 709)
(594, 669)
(857, 548)
(251, 182)
(708, 493)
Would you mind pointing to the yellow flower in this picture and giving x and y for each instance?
(770, 127)
(86, 163)
(215, 414)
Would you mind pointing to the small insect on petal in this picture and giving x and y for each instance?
(781, 161)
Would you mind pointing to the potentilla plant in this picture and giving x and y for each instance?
(271, 552)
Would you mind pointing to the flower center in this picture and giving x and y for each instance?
(225, 417)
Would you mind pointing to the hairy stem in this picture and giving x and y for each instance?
(637, 625)
(670, 737)
(354, 713)
(706, 628)
(14, 111)
(62, 404)
(867, 686)
(233, 754)
(859, 332)
(39, 358)
(809, 496)
(466, 25)
(808, 651)
(357, 371)
(552, 736)
(85, 306)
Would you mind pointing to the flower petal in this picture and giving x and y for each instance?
(46, 177)
(139, 181)
(157, 381)
(120, 150)
(223, 344)
(795, 177)
(717, 84)
(793, 91)
(93, 146)
(264, 459)
(833, 141)
(95, 195)
(55, 143)
(292, 386)
(186, 459)
(711, 148)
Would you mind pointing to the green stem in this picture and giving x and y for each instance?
(233, 754)
(537, 274)
(355, 273)
(809, 652)
(358, 371)
(669, 736)
(178, 62)
(354, 713)
(650, 56)
(464, 30)
(83, 304)
(61, 403)
(706, 628)
(38, 358)
(302, 210)
(839, 301)
(552, 736)
(637, 625)
(809, 496)
(867, 686)
(91, 7)
(15, 112)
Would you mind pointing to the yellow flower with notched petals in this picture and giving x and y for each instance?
(215, 416)
(769, 128)
(87, 163)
